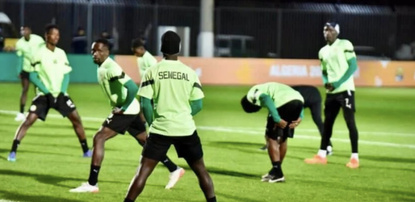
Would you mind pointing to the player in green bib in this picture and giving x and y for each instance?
(120, 90)
(50, 74)
(177, 94)
(145, 59)
(26, 47)
(285, 107)
(312, 100)
(338, 63)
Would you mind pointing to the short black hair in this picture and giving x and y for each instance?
(49, 27)
(248, 106)
(104, 42)
(170, 43)
(137, 42)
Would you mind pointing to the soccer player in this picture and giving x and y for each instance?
(51, 77)
(177, 94)
(312, 100)
(338, 63)
(144, 58)
(121, 91)
(26, 47)
(285, 107)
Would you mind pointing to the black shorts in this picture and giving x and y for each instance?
(41, 107)
(289, 112)
(24, 74)
(187, 147)
(344, 99)
(125, 122)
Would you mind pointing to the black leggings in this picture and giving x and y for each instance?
(333, 103)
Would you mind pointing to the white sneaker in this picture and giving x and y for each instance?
(266, 177)
(20, 117)
(85, 187)
(329, 150)
(174, 177)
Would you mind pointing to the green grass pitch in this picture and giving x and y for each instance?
(49, 159)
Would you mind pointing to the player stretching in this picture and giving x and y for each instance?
(51, 77)
(121, 91)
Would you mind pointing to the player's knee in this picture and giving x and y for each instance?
(27, 124)
(351, 124)
(349, 118)
(141, 138)
(76, 120)
(77, 123)
(99, 137)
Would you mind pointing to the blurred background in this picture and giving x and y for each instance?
(382, 29)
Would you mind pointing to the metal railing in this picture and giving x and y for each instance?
(287, 32)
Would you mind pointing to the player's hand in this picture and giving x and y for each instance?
(295, 123)
(117, 110)
(281, 124)
(51, 100)
(329, 87)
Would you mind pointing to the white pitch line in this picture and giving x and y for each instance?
(337, 131)
(257, 131)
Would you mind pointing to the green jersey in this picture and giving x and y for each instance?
(112, 79)
(51, 67)
(27, 49)
(172, 85)
(145, 62)
(334, 60)
(279, 93)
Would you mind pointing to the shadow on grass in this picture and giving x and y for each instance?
(408, 199)
(69, 126)
(24, 151)
(352, 187)
(329, 162)
(247, 147)
(232, 143)
(4, 151)
(311, 149)
(221, 171)
(384, 159)
(363, 165)
(48, 126)
(251, 148)
(48, 179)
(59, 151)
(52, 134)
(59, 147)
(223, 197)
(34, 198)
(385, 168)
(169, 199)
